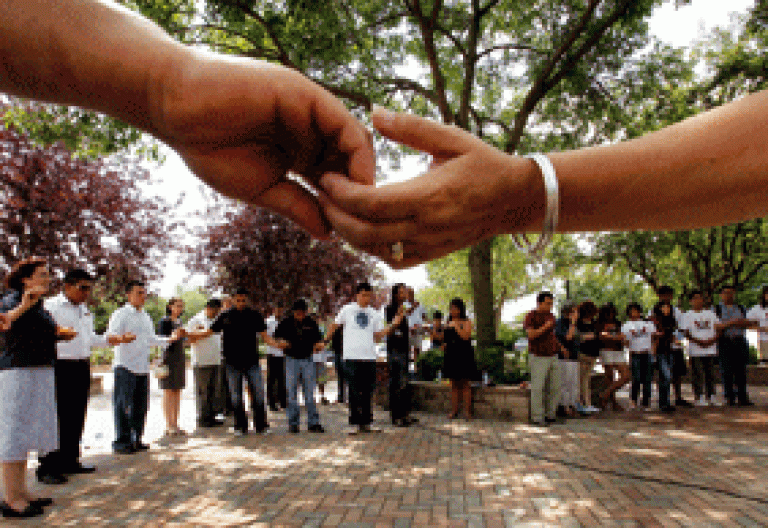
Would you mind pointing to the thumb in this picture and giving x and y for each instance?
(432, 137)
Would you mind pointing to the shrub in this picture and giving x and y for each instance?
(428, 364)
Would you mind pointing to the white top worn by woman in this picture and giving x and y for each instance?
(639, 335)
(760, 314)
(359, 326)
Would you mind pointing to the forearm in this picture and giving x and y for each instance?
(707, 170)
(86, 53)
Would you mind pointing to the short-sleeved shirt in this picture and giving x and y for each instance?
(639, 334)
(240, 331)
(398, 344)
(729, 313)
(31, 340)
(760, 314)
(546, 343)
(359, 324)
(272, 323)
(700, 325)
(302, 336)
(205, 352)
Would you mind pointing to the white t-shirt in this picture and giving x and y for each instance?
(416, 319)
(639, 334)
(359, 326)
(272, 323)
(760, 314)
(205, 352)
(700, 325)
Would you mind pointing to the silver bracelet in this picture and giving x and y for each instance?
(551, 212)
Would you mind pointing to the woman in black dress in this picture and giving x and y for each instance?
(459, 358)
(174, 361)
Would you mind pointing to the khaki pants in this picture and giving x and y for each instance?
(545, 386)
(586, 366)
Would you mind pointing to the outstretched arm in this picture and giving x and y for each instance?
(241, 125)
(705, 171)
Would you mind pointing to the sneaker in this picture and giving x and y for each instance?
(701, 402)
(238, 432)
(317, 428)
(591, 409)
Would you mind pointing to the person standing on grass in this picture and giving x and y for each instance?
(539, 325)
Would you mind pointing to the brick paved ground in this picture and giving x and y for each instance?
(698, 468)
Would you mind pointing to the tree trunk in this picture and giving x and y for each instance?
(482, 291)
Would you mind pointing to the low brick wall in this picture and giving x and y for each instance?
(500, 402)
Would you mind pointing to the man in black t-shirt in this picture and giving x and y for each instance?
(304, 338)
(240, 327)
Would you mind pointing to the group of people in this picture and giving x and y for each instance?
(45, 367)
(563, 352)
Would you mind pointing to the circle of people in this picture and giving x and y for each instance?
(563, 352)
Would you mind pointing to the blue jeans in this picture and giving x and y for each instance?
(252, 376)
(131, 401)
(664, 363)
(642, 373)
(301, 370)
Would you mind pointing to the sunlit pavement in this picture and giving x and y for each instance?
(700, 467)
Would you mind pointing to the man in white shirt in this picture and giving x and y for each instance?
(131, 367)
(363, 326)
(700, 328)
(276, 389)
(206, 366)
(759, 315)
(72, 374)
(638, 336)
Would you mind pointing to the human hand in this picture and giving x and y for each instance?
(471, 192)
(128, 338)
(177, 334)
(64, 333)
(243, 125)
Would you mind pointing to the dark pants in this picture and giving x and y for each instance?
(226, 397)
(361, 375)
(276, 389)
(73, 380)
(252, 376)
(703, 376)
(131, 401)
(399, 390)
(341, 378)
(208, 392)
(734, 356)
(642, 374)
(665, 364)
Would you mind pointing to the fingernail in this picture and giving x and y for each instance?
(383, 116)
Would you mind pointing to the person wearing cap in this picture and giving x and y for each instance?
(304, 338)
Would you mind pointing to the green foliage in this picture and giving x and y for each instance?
(428, 364)
(602, 283)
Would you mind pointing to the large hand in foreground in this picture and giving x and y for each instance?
(242, 125)
(471, 192)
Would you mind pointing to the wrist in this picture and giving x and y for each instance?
(524, 196)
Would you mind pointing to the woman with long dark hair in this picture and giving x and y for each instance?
(27, 394)
(589, 351)
(614, 357)
(398, 349)
(175, 367)
(666, 325)
(459, 358)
